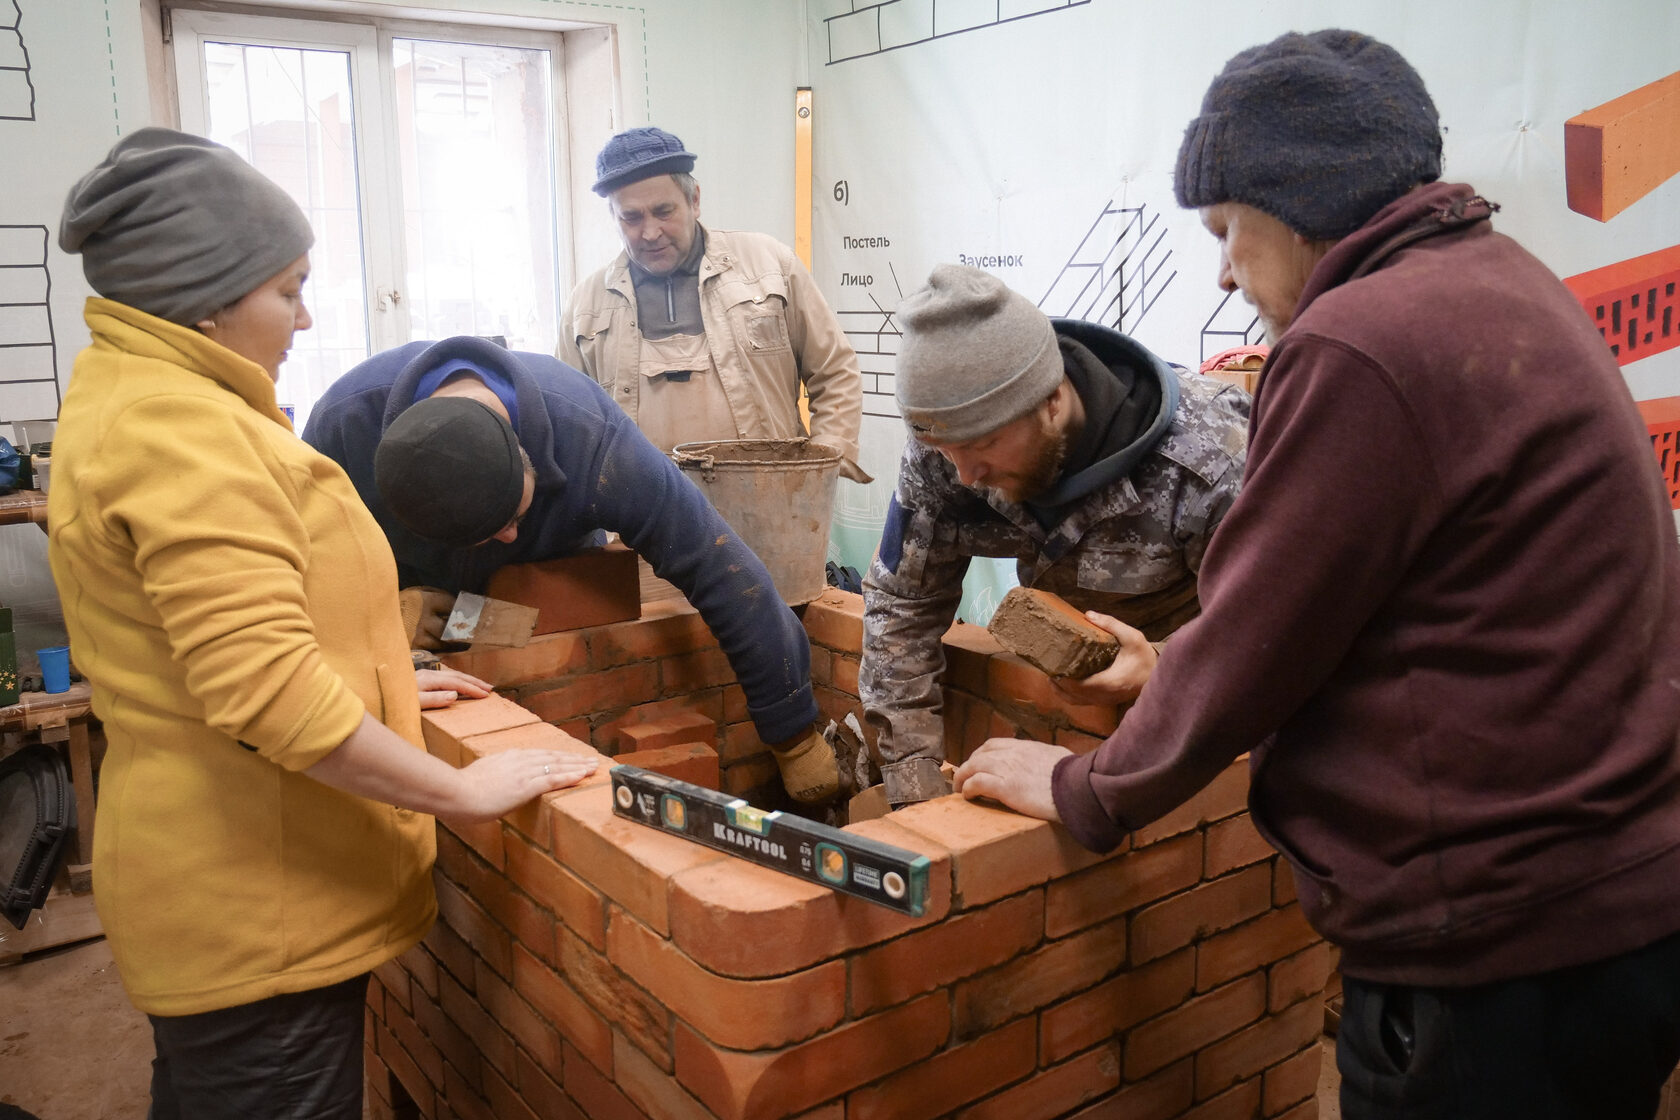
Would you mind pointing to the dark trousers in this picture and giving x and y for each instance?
(290, 1057)
(1594, 1042)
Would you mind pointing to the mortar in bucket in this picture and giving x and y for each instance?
(778, 496)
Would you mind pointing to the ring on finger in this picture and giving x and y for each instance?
(545, 768)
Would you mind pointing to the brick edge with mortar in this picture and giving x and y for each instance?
(584, 966)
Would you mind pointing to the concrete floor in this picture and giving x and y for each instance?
(73, 1048)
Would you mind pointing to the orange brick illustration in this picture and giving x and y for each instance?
(1633, 303)
(1051, 634)
(591, 588)
(1619, 152)
(1662, 420)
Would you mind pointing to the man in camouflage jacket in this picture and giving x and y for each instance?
(1064, 444)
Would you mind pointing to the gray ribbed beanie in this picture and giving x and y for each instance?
(179, 226)
(636, 154)
(975, 355)
(1321, 131)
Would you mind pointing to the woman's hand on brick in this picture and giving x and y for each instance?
(440, 688)
(500, 782)
(1015, 772)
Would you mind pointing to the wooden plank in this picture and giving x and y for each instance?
(63, 918)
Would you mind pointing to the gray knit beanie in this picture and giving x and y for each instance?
(637, 154)
(449, 469)
(1321, 131)
(975, 356)
(179, 226)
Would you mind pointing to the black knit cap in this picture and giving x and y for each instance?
(637, 154)
(449, 469)
(1321, 131)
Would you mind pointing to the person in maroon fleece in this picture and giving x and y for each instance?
(1443, 618)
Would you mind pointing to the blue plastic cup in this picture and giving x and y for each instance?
(55, 668)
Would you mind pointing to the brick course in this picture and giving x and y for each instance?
(585, 966)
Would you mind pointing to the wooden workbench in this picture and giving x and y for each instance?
(68, 914)
(22, 507)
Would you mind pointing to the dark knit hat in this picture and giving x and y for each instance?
(450, 470)
(179, 226)
(1321, 131)
(975, 355)
(637, 154)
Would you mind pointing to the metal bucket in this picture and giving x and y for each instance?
(778, 495)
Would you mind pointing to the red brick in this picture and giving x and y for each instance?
(488, 939)
(1283, 883)
(597, 1097)
(686, 726)
(539, 1088)
(967, 724)
(500, 898)
(403, 1068)
(1200, 911)
(835, 619)
(654, 1090)
(454, 954)
(542, 658)
(694, 672)
(608, 728)
(589, 588)
(514, 1015)
(1633, 303)
(1225, 796)
(741, 742)
(1193, 1025)
(1306, 1110)
(1047, 974)
(591, 693)
(666, 628)
(951, 1078)
(959, 947)
(582, 1027)
(739, 1014)
(1009, 678)
(422, 967)
(1077, 741)
(686, 762)
(994, 852)
(1292, 1080)
(1113, 1006)
(1121, 883)
(1614, 154)
(1239, 1103)
(409, 1036)
(1301, 976)
(503, 1102)
(770, 1085)
(391, 977)
(735, 702)
(1163, 1096)
(846, 674)
(738, 919)
(756, 779)
(483, 837)
(1250, 1051)
(567, 897)
(1054, 1091)
(968, 650)
(1234, 843)
(444, 728)
(631, 863)
(452, 1042)
(493, 1043)
(1270, 937)
(643, 1019)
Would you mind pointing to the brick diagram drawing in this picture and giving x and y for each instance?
(17, 92)
(1116, 273)
(28, 350)
(866, 28)
(1231, 324)
(874, 335)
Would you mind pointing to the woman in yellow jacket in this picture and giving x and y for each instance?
(262, 839)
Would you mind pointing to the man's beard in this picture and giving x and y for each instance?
(1039, 474)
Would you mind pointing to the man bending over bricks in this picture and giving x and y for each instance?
(1064, 444)
(1443, 618)
(472, 457)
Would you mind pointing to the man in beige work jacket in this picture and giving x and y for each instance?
(703, 334)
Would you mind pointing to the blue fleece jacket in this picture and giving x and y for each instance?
(595, 471)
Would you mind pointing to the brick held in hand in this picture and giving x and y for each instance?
(1043, 630)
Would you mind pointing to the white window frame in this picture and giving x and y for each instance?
(369, 40)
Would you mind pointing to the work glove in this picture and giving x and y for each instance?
(809, 770)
